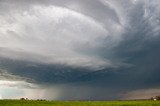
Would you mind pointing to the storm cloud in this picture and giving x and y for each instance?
(88, 48)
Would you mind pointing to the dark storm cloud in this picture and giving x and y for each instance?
(100, 46)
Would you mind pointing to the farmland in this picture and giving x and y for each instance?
(77, 103)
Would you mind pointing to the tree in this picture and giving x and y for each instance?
(22, 98)
(157, 97)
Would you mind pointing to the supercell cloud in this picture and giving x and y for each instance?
(92, 49)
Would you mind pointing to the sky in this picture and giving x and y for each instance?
(79, 49)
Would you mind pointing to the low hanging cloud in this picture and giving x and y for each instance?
(18, 84)
(142, 94)
(103, 46)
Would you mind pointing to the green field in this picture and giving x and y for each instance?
(77, 103)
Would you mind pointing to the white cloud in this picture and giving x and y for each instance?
(16, 84)
(18, 89)
(51, 35)
(1, 97)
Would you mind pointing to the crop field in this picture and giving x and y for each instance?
(77, 103)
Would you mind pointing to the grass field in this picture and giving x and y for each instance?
(77, 103)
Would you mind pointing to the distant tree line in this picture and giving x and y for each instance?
(28, 99)
(155, 98)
